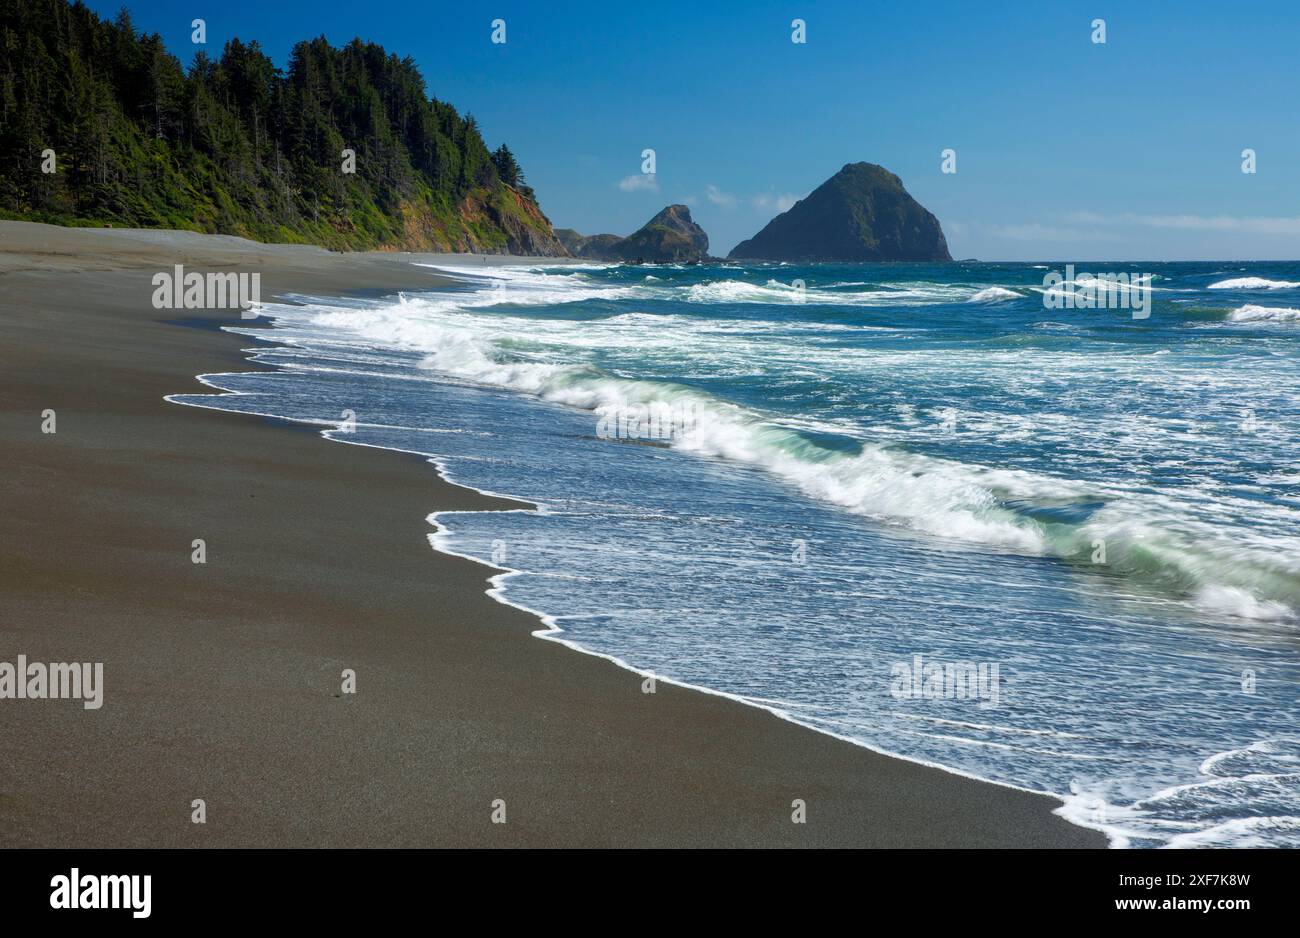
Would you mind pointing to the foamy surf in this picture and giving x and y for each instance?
(808, 293)
(953, 501)
(994, 295)
(1264, 314)
(1066, 499)
(1253, 283)
(1253, 786)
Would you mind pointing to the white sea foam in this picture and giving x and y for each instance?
(776, 291)
(1249, 313)
(1235, 601)
(1251, 786)
(1241, 833)
(1252, 283)
(994, 295)
(739, 291)
(954, 501)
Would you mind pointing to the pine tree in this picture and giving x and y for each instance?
(236, 145)
(507, 167)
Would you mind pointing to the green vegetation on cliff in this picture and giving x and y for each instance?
(238, 146)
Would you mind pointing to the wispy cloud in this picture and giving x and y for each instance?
(1118, 228)
(640, 181)
(779, 203)
(1265, 225)
(718, 197)
(1149, 235)
(762, 202)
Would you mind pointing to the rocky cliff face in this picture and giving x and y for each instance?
(670, 237)
(527, 230)
(862, 213)
(500, 220)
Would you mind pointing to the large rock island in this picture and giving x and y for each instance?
(862, 213)
(670, 237)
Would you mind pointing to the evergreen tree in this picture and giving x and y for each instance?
(236, 145)
(507, 167)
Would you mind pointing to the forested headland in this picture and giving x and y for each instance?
(101, 125)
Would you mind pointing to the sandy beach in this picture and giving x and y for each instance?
(222, 680)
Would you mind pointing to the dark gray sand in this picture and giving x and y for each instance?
(222, 681)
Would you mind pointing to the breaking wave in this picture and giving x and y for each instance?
(1252, 283)
(1249, 313)
(994, 295)
(775, 291)
(1148, 544)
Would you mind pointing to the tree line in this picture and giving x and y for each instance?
(99, 124)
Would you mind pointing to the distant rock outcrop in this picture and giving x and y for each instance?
(670, 237)
(571, 240)
(862, 213)
(594, 247)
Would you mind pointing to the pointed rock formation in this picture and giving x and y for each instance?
(670, 237)
(862, 213)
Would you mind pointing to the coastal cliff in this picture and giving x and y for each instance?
(343, 148)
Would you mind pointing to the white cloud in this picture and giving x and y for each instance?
(640, 181)
(779, 203)
(718, 197)
(763, 201)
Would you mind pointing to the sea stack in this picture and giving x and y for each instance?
(670, 237)
(862, 213)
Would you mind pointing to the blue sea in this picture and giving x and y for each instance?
(909, 505)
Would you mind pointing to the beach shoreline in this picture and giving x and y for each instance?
(222, 679)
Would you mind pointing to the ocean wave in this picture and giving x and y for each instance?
(1249, 313)
(994, 295)
(777, 292)
(1252, 283)
(1148, 545)
(522, 286)
(1155, 547)
(1102, 286)
(1264, 757)
(740, 291)
(1184, 556)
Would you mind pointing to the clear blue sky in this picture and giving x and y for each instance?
(1065, 149)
